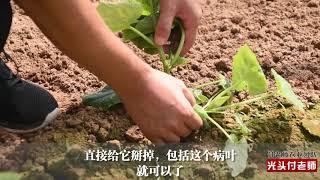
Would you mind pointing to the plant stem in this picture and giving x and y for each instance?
(148, 40)
(160, 49)
(221, 128)
(224, 92)
(181, 44)
(264, 96)
(207, 84)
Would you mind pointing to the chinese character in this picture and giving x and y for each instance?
(101, 155)
(90, 155)
(154, 170)
(281, 166)
(271, 165)
(302, 166)
(165, 171)
(142, 171)
(230, 155)
(183, 155)
(218, 155)
(195, 155)
(113, 155)
(206, 154)
(311, 165)
(136, 155)
(148, 155)
(292, 165)
(125, 155)
(172, 155)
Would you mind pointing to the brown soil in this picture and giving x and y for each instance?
(285, 34)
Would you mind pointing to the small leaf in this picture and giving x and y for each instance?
(106, 98)
(218, 102)
(200, 98)
(285, 90)
(10, 176)
(241, 149)
(247, 73)
(224, 82)
(179, 61)
(121, 14)
(243, 128)
(312, 126)
(144, 25)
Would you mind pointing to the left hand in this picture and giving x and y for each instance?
(188, 11)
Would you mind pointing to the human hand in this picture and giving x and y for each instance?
(188, 11)
(163, 108)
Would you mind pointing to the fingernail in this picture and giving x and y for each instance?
(160, 41)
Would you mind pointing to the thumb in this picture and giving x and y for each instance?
(163, 29)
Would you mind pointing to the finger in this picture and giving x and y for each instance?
(183, 131)
(194, 121)
(157, 141)
(171, 138)
(191, 28)
(189, 96)
(163, 29)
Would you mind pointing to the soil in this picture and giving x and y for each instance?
(285, 34)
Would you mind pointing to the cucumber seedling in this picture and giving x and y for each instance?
(137, 20)
(247, 75)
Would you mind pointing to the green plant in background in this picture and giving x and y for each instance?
(10, 176)
(247, 75)
(137, 20)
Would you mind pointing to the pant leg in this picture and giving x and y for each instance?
(5, 21)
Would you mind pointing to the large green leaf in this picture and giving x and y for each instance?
(147, 7)
(121, 14)
(240, 147)
(106, 98)
(247, 73)
(285, 90)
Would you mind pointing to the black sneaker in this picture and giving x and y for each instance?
(24, 107)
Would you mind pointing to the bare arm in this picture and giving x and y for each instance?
(160, 104)
(75, 27)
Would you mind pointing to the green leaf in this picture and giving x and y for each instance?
(179, 61)
(285, 90)
(200, 98)
(147, 8)
(121, 14)
(144, 25)
(218, 102)
(106, 98)
(241, 148)
(243, 128)
(144, 45)
(10, 176)
(247, 73)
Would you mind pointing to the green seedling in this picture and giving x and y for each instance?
(247, 75)
(137, 20)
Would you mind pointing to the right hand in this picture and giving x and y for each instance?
(163, 108)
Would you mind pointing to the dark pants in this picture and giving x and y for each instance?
(5, 21)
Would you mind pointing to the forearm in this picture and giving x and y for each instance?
(76, 28)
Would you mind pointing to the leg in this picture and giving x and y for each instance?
(5, 21)
(24, 106)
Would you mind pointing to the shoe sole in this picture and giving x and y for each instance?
(50, 117)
